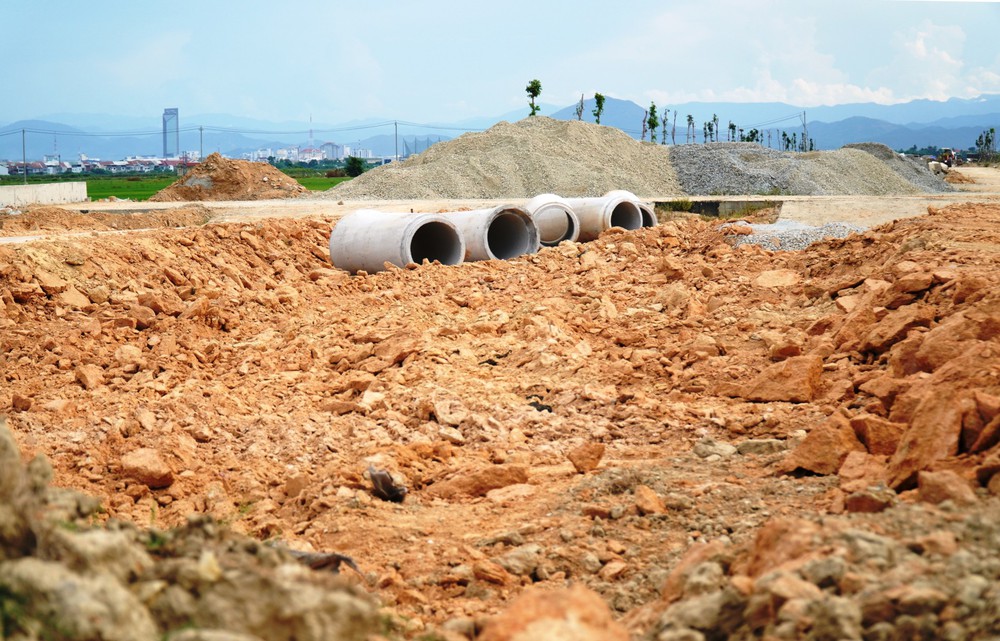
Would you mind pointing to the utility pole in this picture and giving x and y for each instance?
(24, 157)
(201, 143)
(805, 133)
(395, 130)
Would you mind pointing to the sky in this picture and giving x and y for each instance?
(445, 61)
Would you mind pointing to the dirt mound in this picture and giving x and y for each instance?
(956, 177)
(573, 158)
(47, 220)
(911, 169)
(747, 168)
(520, 160)
(219, 178)
(594, 413)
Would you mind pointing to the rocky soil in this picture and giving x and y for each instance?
(45, 220)
(654, 435)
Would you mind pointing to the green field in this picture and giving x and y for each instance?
(98, 188)
(142, 187)
(318, 183)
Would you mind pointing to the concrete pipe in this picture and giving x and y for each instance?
(648, 215)
(555, 219)
(367, 239)
(614, 209)
(502, 232)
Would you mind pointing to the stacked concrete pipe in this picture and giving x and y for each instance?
(555, 219)
(367, 239)
(498, 233)
(648, 215)
(614, 209)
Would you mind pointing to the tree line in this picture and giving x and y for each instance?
(653, 120)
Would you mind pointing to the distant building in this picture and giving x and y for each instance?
(171, 133)
(309, 154)
(332, 150)
(358, 152)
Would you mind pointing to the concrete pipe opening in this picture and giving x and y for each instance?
(436, 240)
(509, 236)
(626, 215)
(554, 218)
(648, 215)
(365, 240)
(614, 209)
(499, 233)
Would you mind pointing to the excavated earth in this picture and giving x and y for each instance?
(219, 178)
(44, 220)
(653, 435)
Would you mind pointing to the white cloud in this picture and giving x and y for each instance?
(927, 63)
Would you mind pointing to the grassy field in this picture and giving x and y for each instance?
(142, 187)
(123, 188)
(318, 183)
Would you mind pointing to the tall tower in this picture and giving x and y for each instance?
(171, 133)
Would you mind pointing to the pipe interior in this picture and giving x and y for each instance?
(438, 241)
(626, 215)
(508, 236)
(555, 225)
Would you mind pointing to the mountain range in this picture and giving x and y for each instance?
(952, 123)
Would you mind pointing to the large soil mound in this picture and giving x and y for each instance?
(720, 442)
(219, 178)
(747, 168)
(521, 160)
(573, 158)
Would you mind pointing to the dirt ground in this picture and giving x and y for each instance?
(621, 414)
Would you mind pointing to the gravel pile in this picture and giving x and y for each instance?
(788, 235)
(573, 158)
(732, 168)
(911, 169)
(521, 160)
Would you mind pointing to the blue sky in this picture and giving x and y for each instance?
(444, 60)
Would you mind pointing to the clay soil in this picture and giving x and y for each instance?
(707, 396)
(219, 178)
(44, 221)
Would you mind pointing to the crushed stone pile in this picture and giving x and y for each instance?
(785, 235)
(520, 160)
(63, 578)
(572, 158)
(45, 220)
(219, 178)
(910, 168)
(613, 414)
(734, 168)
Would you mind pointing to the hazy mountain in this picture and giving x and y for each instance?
(953, 129)
(951, 123)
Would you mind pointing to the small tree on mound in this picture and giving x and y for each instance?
(354, 166)
(579, 108)
(653, 120)
(599, 107)
(534, 90)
